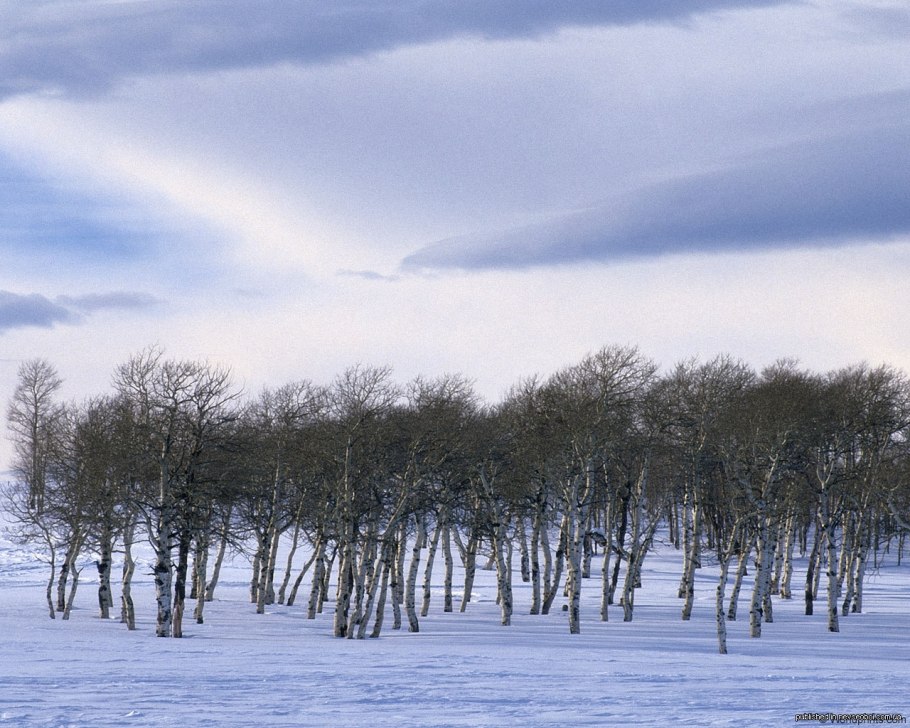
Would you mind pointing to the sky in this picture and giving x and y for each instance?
(488, 187)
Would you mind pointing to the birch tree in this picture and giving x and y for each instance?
(33, 418)
(178, 407)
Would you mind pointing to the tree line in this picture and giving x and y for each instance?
(372, 479)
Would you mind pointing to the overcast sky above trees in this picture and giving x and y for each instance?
(493, 188)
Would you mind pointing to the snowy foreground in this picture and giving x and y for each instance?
(278, 669)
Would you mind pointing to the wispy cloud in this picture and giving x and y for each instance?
(820, 192)
(85, 47)
(117, 300)
(367, 275)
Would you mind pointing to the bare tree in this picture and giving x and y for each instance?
(178, 407)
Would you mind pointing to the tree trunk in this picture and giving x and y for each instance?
(219, 558)
(65, 565)
(163, 574)
(687, 512)
(428, 572)
(410, 599)
(200, 565)
(257, 569)
(536, 526)
(470, 568)
(809, 592)
(693, 559)
(318, 577)
(503, 569)
(362, 573)
(746, 547)
(265, 590)
(762, 568)
(396, 584)
(858, 578)
(127, 610)
(828, 526)
(724, 556)
(387, 567)
(576, 526)
(68, 607)
(104, 563)
(523, 549)
(52, 612)
(637, 546)
(605, 570)
(789, 544)
(552, 587)
(292, 597)
(345, 582)
(620, 541)
(295, 539)
(183, 557)
(376, 572)
(449, 564)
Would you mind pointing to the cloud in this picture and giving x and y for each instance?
(86, 47)
(34, 310)
(367, 275)
(18, 311)
(885, 20)
(117, 300)
(819, 192)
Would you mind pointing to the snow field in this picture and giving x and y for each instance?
(280, 669)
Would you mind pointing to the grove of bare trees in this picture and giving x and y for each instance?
(378, 485)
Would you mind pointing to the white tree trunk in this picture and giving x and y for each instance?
(552, 587)
(449, 569)
(163, 574)
(52, 612)
(746, 549)
(605, 570)
(318, 578)
(428, 572)
(523, 550)
(396, 583)
(68, 607)
(289, 565)
(828, 525)
(345, 584)
(127, 610)
(719, 616)
(105, 595)
(200, 565)
(535, 560)
(387, 567)
(787, 572)
(292, 597)
(503, 571)
(362, 574)
(756, 604)
(693, 559)
(219, 559)
(375, 574)
(470, 568)
(410, 599)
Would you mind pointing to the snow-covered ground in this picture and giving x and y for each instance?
(279, 669)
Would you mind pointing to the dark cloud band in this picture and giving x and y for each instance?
(822, 192)
(34, 310)
(20, 311)
(85, 47)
